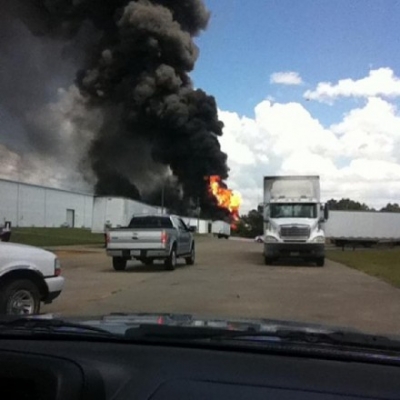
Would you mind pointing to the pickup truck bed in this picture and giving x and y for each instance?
(149, 238)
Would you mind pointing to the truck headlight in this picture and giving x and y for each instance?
(57, 267)
(270, 239)
(319, 239)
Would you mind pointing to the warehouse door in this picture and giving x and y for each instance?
(71, 218)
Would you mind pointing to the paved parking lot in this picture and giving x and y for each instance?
(229, 279)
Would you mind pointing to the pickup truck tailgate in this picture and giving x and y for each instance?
(136, 239)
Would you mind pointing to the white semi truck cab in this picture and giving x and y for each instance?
(294, 219)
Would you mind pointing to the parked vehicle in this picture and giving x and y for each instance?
(294, 217)
(149, 238)
(221, 229)
(259, 239)
(5, 232)
(363, 228)
(28, 276)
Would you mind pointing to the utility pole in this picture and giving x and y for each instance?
(198, 214)
(162, 199)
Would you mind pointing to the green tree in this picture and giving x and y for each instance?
(250, 225)
(391, 208)
(347, 204)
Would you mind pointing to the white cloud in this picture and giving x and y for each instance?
(358, 157)
(380, 82)
(286, 78)
(371, 132)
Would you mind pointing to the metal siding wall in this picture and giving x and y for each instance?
(88, 213)
(8, 202)
(31, 206)
(57, 204)
(115, 212)
(98, 215)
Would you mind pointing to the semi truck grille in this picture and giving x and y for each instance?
(295, 232)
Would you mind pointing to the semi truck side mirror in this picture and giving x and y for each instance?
(266, 213)
(326, 212)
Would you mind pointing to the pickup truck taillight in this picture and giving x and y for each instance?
(57, 267)
(164, 237)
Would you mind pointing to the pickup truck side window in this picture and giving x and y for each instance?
(182, 225)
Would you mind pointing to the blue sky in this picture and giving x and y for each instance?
(348, 132)
(323, 40)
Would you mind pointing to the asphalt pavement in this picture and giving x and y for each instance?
(229, 279)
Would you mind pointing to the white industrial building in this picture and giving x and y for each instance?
(116, 212)
(26, 205)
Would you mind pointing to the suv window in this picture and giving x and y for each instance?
(151, 222)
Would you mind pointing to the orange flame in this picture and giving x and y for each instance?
(226, 198)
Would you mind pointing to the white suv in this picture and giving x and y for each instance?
(28, 276)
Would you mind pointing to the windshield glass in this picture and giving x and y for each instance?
(219, 158)
(293, 210)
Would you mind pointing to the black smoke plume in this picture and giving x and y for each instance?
(136, 72)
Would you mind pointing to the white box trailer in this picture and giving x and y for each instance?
(202, 226)
(362, 227)
(221, 229)
(116, 212)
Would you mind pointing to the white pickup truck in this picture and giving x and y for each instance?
(149, 238)
(28, 276)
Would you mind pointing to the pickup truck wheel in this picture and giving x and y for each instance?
(268, 260)
(19, 297)
(170, 262)
(320, 262)
(191, 259)
(119, 263)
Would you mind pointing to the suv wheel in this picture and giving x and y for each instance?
(19, 297)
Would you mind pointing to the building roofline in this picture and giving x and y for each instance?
(47, 187)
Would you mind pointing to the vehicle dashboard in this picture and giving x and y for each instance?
(39, 369)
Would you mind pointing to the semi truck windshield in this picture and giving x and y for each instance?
(293, 210)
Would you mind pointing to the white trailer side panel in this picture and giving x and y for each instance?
(363, 225)
(202, 226)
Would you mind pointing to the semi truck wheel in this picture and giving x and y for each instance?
(119, 263)
(320, 262)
